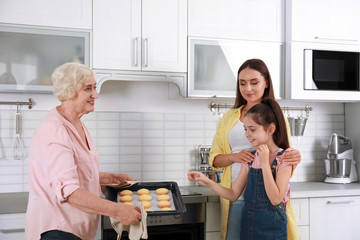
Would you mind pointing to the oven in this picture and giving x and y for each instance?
(189, 226)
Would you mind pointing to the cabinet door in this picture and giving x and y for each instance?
(65, 13)
(12, 226)
(237, 19)
(335, 218)
(164, 33)
(117, 34)
(301, 210)
(145, 35)
(213, 65)
(325, 21)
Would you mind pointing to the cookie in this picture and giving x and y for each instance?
(163, 198)
(126, 198)
(160, 191)
(163, 204)
(128, 203)
(126, 192)
(146, 204)
(148, 209)
(143, 191)
(166, 209)
(145, 197)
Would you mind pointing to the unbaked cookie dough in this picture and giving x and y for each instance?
(143, 191)
(161, 191)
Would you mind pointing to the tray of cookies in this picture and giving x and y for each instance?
(158, 198)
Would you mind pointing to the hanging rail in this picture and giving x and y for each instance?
(214, 106)
(29, 103)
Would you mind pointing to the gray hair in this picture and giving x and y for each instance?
(68, 78)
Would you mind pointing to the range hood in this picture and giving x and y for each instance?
(180, 79)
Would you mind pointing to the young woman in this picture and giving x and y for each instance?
(266, 178)
(230, 148)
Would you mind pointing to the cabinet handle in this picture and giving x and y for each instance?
(146, 52)
(136, 47)
(335, 39)
(339, 202)
(15, 230)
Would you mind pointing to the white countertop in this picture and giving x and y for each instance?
(17, 202)
(300, 190)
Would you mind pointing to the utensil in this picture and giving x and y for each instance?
(18, 145)
(300, 124)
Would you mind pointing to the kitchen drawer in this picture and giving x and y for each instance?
(12, 226)
(212, 216)
(304, 232)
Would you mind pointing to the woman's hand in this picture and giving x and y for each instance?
(107, 178)
(292, 156)
(199, 178)
(244, 156)
(127, 214)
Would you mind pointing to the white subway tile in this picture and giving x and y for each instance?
(153, 158)
(153, 117)
(152, 167)
(153, 125)
(176, 117)
(130, 116)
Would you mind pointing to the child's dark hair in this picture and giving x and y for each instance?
(269, 112)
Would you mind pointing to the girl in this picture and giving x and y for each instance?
(266, 178)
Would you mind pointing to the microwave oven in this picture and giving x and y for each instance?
(323, 71)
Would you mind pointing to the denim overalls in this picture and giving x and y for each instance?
(260, 219)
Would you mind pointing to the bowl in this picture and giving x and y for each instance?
(338, 168)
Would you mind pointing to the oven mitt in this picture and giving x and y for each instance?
(136, 231)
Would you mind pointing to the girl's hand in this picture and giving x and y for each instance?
(264, 152)
(199, 178)
(244, 156)
(292, 156)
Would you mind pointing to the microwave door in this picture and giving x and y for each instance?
(309, 83)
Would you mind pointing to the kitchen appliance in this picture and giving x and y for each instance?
(340, 164)
(202, 163)
(320, 70)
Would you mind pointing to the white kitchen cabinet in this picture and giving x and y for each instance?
(335, 218)
(50, 13)
(237, 19)
(333, 21)
(213, 221)
(301, 210)
(12, 226)
(147, 35)
(214, 63)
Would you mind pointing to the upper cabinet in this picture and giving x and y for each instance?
(49, 13)
(323, 21)
(261, 20)
(146, 35)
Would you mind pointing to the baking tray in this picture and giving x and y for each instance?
(113, 193)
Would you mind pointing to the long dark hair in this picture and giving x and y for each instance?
(269, 112)
(260, 66)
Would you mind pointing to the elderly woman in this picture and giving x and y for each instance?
(64, 178)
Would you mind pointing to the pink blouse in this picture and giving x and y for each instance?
(280, 164)
(59, 164)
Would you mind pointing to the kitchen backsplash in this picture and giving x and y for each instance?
(155, 146)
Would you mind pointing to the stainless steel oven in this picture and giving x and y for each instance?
(189, 226)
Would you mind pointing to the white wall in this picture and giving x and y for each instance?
(149, 131)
